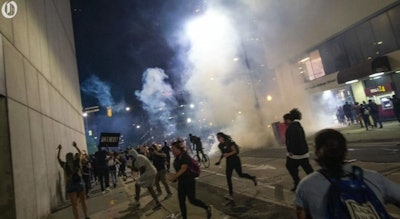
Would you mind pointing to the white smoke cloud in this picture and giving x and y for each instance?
(100, 90)
(226, 70)
(221, 76)
(158, 99)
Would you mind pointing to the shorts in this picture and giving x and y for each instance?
(74, 187)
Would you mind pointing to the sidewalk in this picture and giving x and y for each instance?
(354, 133)
(118, 203)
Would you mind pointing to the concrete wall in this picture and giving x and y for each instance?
(43, 101)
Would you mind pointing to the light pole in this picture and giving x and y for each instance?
(91, 145)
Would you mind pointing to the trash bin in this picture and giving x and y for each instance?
(279, 130)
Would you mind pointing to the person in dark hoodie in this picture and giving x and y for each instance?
(296, 145)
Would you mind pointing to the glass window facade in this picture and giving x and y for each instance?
(373, 38)
(384, 36)
(311, 66)
(394, 17)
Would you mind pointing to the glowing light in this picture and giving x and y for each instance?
(191, 105)
(236, 59)
(208, 32)
(305, 59)
(376, 74)
(84, 114)
(269, 98)
(189, 120)
(109, 111)
(127, 108)
(138, 126)
(351, 82)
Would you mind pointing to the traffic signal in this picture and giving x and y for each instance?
(109, 111)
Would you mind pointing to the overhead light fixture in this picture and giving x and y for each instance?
(374, 78)
(376, 74)
(351, 82)
(398, 71)
(379, 43)
(305, 59)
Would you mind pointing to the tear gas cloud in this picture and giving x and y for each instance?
(100, 90)
(221, 76)
(158, 99)
(93, 86)
(226, 75)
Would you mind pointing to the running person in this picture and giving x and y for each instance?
(230, 150)
(198, 146)
(147, 176)
(186, 181)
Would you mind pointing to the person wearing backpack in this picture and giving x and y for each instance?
(363, 191)
(186, 180)
(230, 151)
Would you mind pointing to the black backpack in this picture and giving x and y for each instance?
(352, 198)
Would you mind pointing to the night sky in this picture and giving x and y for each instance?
(116, 41)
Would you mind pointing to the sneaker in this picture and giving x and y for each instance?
(229, 197)
(209, 211)
(255, 180)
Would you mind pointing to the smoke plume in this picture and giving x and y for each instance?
(158, 99)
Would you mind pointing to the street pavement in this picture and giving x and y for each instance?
(271, 198)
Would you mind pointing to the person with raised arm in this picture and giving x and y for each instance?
(74, 183)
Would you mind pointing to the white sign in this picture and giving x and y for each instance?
(9, 9)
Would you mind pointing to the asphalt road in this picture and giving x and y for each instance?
(268, 165)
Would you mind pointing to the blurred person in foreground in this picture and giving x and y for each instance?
(330, 149)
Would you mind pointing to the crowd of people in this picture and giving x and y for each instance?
(367, 115)
(150, 166)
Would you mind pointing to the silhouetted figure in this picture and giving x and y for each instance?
(297, 147)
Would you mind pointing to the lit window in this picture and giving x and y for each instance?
(311, 67)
